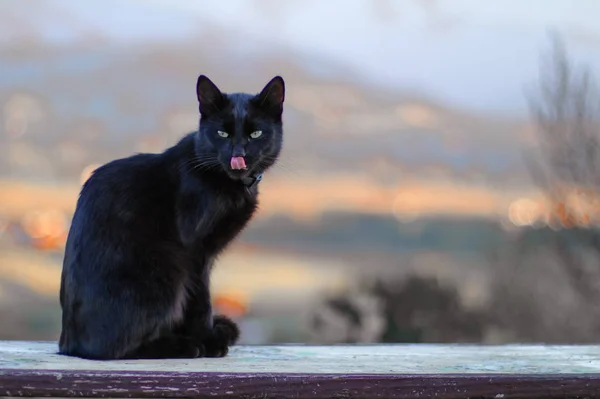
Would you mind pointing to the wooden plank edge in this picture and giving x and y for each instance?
(148, 384)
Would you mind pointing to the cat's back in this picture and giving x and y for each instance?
(124, 195)
(120, 176)
(137, 180)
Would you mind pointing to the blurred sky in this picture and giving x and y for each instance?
(81, 82)
(471, 53)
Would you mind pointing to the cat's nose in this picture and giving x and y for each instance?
(238, 151)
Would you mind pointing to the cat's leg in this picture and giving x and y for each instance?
(122, 334)
(225, 333)
(215, 334)
(114, 318)
(216, 338)
(167, 347)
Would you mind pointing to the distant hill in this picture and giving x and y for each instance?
(107, 100)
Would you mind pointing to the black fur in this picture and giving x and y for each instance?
(147, 229)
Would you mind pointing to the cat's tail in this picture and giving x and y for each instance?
(226, 329)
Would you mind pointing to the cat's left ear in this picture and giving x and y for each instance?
(272, 96)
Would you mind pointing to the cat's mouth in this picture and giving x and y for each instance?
(238, 169)
(238, 163)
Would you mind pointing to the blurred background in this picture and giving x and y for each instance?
(439, 181)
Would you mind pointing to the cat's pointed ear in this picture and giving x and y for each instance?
(210, 98)
(271, 98)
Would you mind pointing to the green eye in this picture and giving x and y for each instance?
(256, 134)
(222, 134)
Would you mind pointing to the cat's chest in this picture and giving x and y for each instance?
(234, 206)
(229, 219)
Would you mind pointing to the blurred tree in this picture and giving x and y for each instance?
(547, 282)
(566, 112)
(565, 109)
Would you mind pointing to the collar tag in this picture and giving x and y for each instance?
(250, 182)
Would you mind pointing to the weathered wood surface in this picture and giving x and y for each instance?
(365, 371)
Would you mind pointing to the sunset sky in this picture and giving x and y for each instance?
(471, 53)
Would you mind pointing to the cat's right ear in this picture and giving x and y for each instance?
(210, 98)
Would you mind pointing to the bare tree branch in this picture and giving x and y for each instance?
(566, 111)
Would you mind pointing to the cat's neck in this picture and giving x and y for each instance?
(252, 180)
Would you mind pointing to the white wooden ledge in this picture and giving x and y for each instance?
(362, 371)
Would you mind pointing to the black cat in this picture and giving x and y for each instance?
(147, 230)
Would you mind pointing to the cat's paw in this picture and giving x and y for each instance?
(215, 348)
(185, 348)
(224, 334)
(224, 327)
(169, 347)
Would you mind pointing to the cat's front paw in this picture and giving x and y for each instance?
(184, 347)
(224, 334)
(215, 348)
(225, 327)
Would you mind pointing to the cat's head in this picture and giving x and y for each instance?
(240, 133)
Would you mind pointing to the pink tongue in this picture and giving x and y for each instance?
(238, 163)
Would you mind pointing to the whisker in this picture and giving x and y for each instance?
(201, 162)
(206, 165)
(281, 164)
